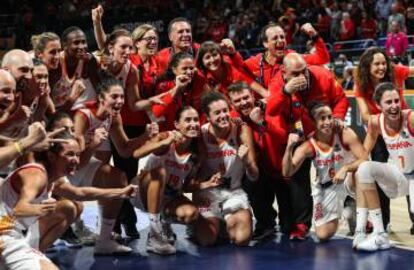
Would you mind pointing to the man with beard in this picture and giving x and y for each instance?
(265, 65)
(79, 70)
(180, 35)
(20, 65)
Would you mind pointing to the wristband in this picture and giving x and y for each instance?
(18, 147)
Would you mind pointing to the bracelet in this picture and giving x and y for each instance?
(18, 147)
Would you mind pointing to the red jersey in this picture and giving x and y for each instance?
(164, 56)
(401, 74)
(323, 87)
(264, 72)
(191, 96)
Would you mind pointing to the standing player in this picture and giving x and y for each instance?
(336, 154)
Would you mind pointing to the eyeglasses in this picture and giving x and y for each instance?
(149, 39)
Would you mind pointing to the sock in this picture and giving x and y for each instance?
(361, 219)
(376, 219)
(155, 223)
(106, 228)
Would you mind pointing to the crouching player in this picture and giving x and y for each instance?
(336, 154)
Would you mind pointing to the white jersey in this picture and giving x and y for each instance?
(223, 158)
(8, 199)
(89, 112)
(328, 162)
(400, 146)
(63, 87)
(123, 74)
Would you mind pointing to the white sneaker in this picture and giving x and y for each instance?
(158, 244)
(109, 247)
(376, 241)
(358, 238)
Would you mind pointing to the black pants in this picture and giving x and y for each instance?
(127, 214)
(293, 198)
(380, 153)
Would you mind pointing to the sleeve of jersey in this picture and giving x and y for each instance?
(401, 74)
(277, 127)
(340, 101)
(162, 109)
(321, 55)
(242, 76)
(238, 62)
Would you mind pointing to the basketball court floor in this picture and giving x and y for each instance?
(277, 253)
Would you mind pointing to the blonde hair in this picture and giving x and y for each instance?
(140, 32)
(39, 42)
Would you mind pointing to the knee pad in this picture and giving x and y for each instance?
(364, 173)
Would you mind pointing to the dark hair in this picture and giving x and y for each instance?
(181, 110)
(175, 20)
(174, 62)
(59, 115)
(113, 37)
(37, 62)
(263, 35)
(381, 89)
(237, 87)
(315, 105)
(67, 31)
(207, 47)
(209, 98)
(106, 82)
(55, 148)
(363, 71)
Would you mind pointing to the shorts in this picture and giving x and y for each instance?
(16, 253)
(328, 203)
(220, 203)
(84, 177)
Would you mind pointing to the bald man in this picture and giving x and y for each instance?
(298, 85)
(7, 89)
(20, 65)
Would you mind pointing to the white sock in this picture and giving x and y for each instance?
(106, 228)
(376, 219)
(155, 222)
(361, 219)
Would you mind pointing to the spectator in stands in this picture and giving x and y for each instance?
(335, 13)
(410, 21)
(382, 10)
(368, 26)
(396, 16)
(397, 44)
(324, 24)
(216, 31)
(347, 27)
(348, 78)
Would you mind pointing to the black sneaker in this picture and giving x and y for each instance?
(131, 231)
(70, 239)
(260, 234)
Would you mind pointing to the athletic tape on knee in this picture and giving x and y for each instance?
(364, 173)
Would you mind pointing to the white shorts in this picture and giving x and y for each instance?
(390, 179)
(84, 177)
(220, 203)
(17, 254)
(328, 203)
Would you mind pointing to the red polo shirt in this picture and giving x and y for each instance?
(164, 56)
